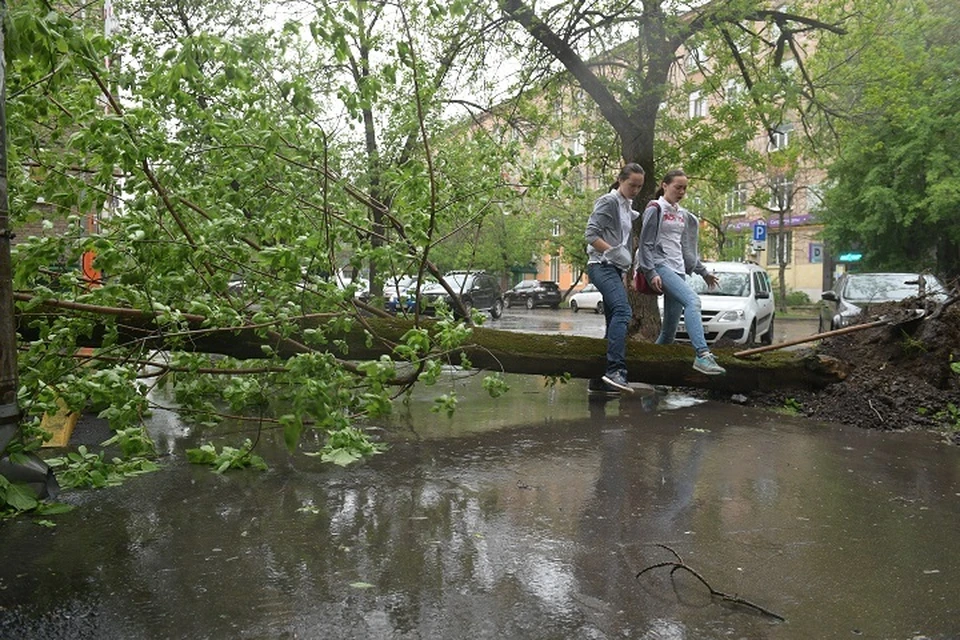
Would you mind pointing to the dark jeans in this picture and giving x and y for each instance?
(616, 309)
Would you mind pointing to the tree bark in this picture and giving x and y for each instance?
(487, 349)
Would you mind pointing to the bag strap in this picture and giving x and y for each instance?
(656, 205)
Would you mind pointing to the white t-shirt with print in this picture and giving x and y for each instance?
(672, 225)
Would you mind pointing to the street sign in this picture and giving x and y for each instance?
(760, 231)
(816, 253)
(850, 257)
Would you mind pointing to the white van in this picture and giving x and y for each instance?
(740, 310)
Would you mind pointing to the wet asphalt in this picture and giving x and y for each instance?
(528, 516)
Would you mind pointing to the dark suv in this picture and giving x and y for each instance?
(534, 293)
(476, 289)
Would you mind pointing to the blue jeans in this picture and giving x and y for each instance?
(679, 298)
(616, 310)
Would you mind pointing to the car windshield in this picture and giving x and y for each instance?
(733, 284)
(458, 281)
(405, 282)
(881, 287)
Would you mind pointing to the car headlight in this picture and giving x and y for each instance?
(847, 314)
(730, 316)
(843, 320)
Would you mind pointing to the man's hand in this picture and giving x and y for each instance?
(711, 280)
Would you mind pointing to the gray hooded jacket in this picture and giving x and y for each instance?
(604, 223)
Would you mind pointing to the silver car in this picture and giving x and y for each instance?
(853, 292)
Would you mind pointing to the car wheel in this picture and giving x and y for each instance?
(573, 305)
(600, 307)
(497, 309)
(529, 303)
(752, 335)
(768, 336)
(506, 302)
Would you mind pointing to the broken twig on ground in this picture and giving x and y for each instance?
(723, 597)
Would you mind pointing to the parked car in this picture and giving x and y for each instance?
(739, 310)
(360, 285)
(853, 292)
(400, 293)
(534, 293)
(476, 289)
(587, 298)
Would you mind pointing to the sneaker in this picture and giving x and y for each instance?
(708, 364)
(617, 381)
(597, 387)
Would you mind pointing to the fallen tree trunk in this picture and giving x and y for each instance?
(486, 348)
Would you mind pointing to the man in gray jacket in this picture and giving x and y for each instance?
(609, 257)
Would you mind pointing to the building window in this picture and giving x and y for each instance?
(697, 59)
(733, 91)
(776, 242)
(576, 145)
(737, 199)
(556, 228)
(780, 137)
(555, 268)
(781, 193)
(698, 105)
(814, 198)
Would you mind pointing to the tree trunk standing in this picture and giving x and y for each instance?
(785, 206)
(9, 409)
(29, 470)
(634, 123)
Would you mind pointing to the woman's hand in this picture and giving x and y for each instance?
(657, 284)
(712, 280)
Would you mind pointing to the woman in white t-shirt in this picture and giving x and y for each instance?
(668, 252)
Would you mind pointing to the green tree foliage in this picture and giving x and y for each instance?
(896, 179)
(232, 172)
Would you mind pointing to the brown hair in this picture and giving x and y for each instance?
(626, 171)
(667, 179)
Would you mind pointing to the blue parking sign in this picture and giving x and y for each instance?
(760, 231)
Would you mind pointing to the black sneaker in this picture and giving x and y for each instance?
(617, 381)
(597, 387)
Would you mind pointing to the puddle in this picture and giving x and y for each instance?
(527, 516)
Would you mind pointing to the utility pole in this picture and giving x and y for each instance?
(28, 469)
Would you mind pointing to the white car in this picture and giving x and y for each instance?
(740, 310)
(587, 298)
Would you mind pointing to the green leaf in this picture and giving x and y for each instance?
(340, 457)
(292, 428)
(21, 497)
(361, 585)
(53, 508)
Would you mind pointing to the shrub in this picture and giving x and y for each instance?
(797, 299)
